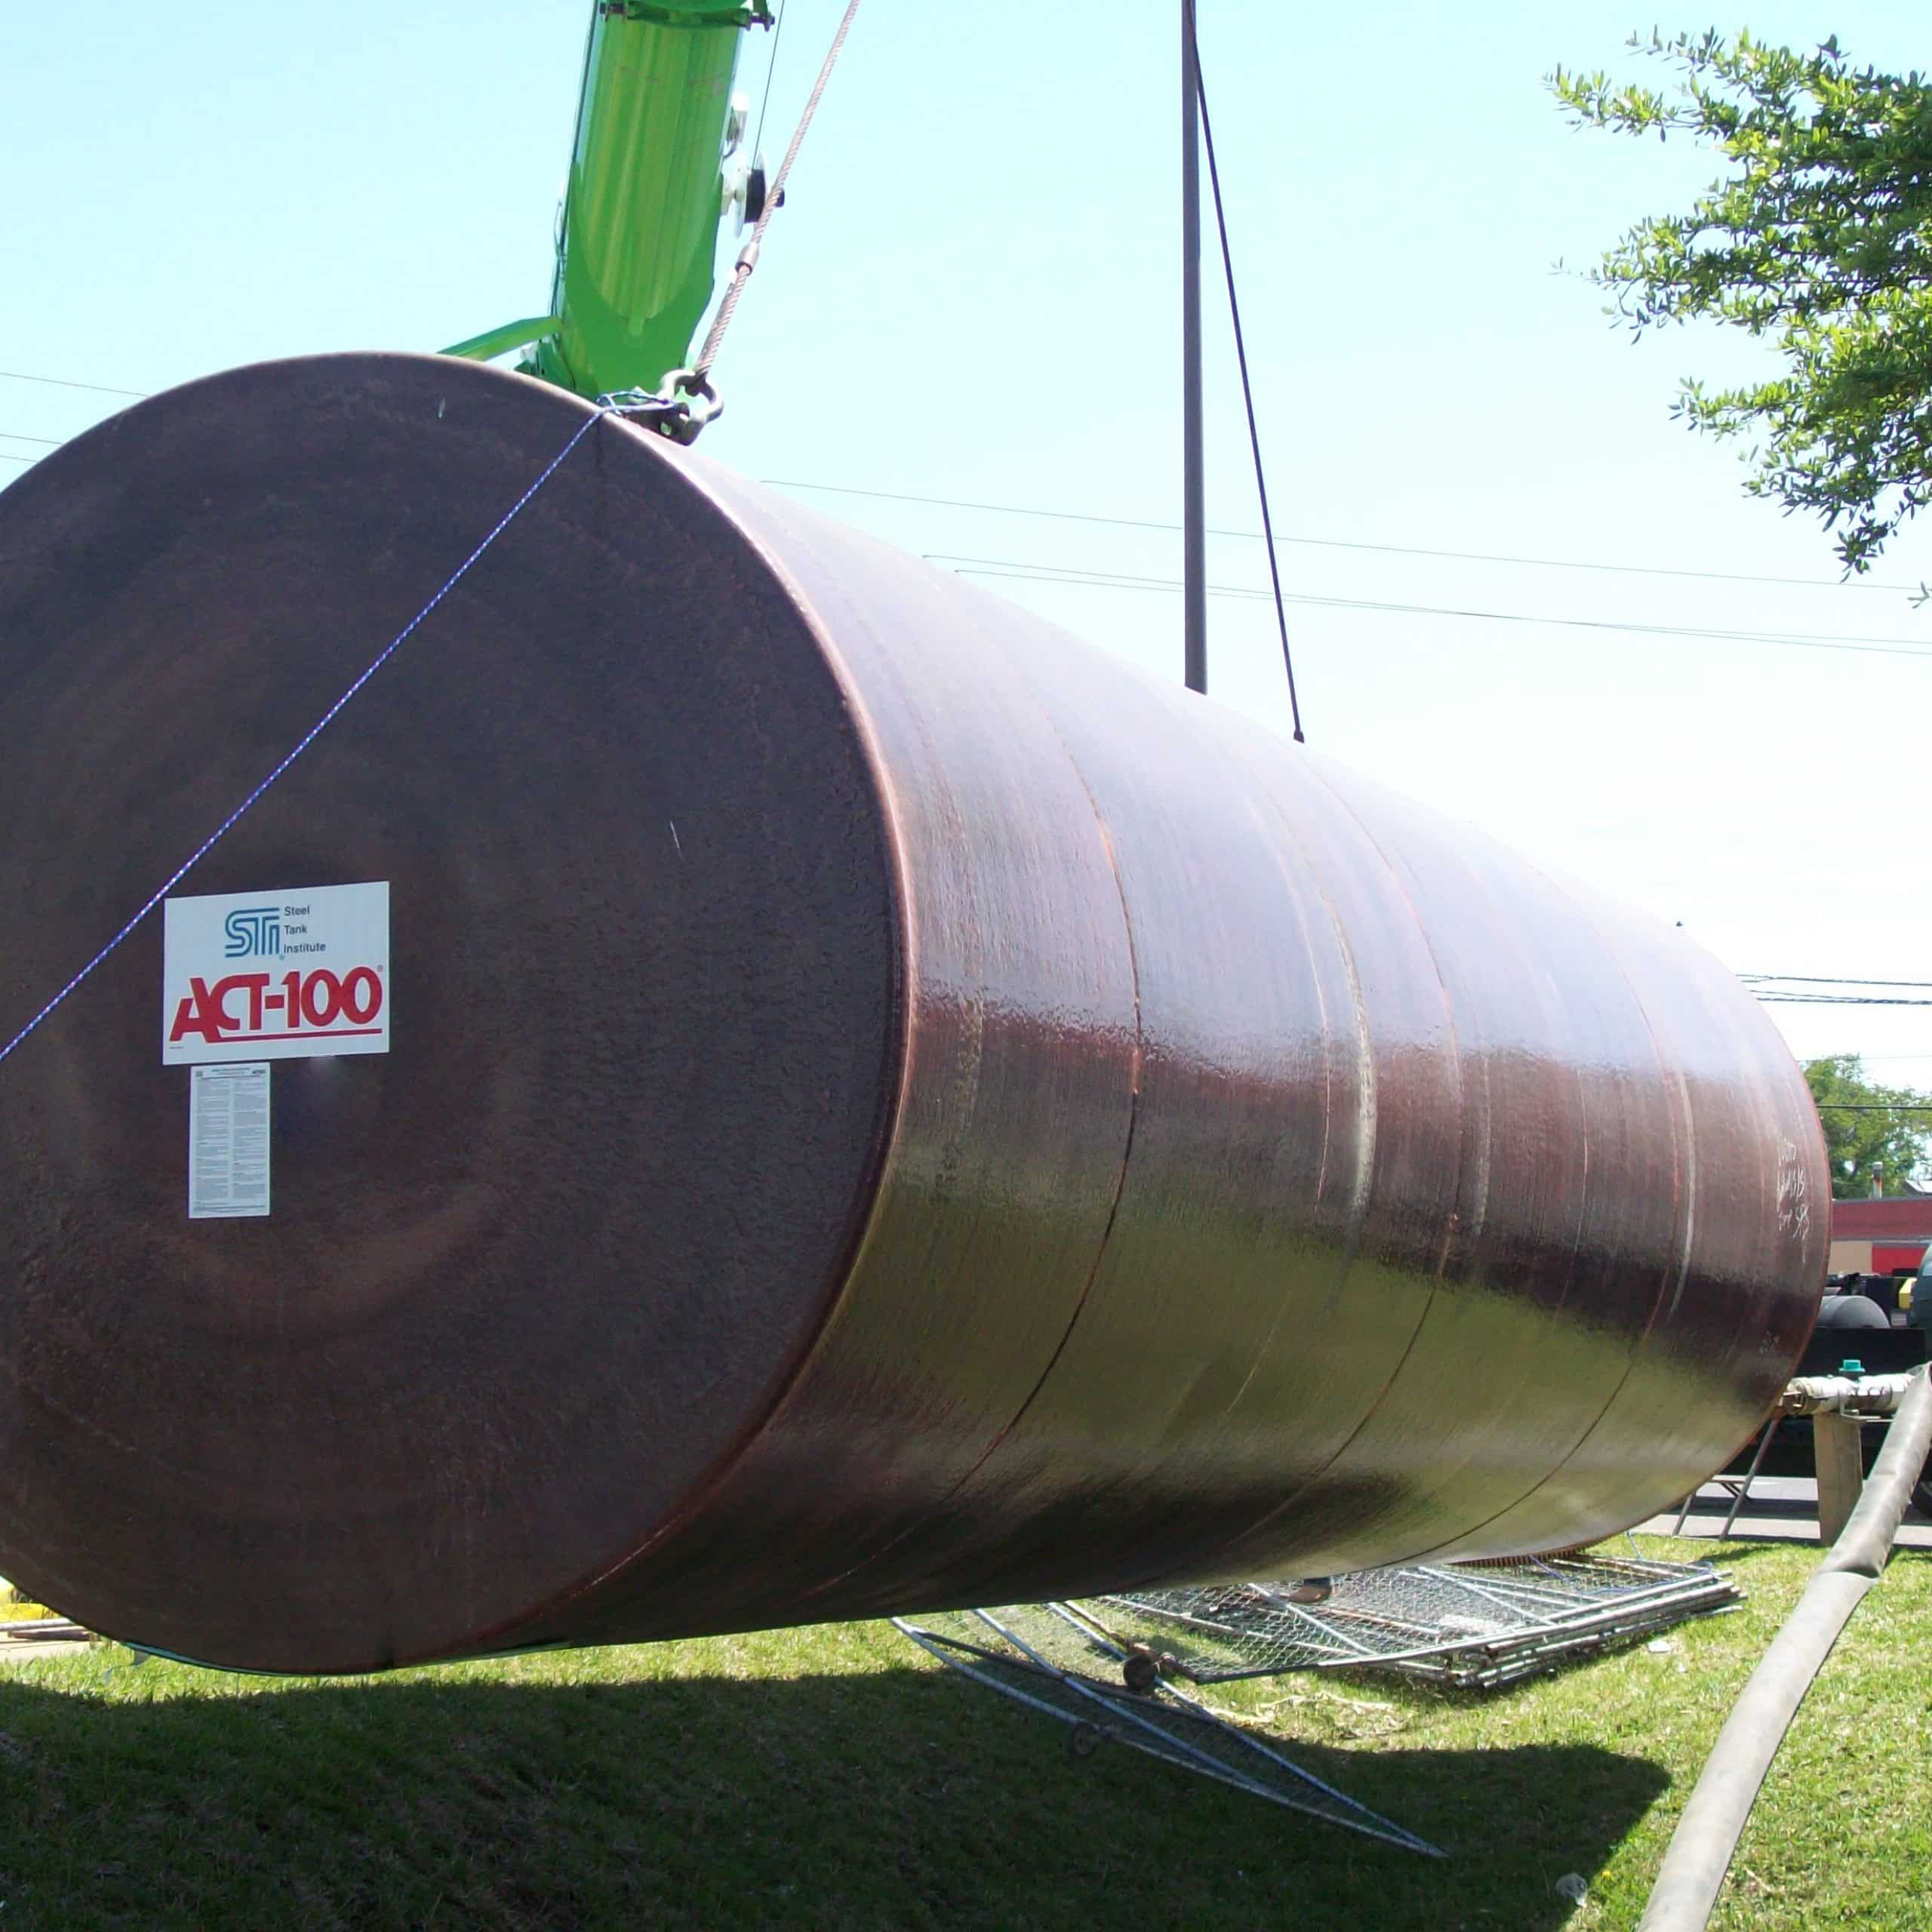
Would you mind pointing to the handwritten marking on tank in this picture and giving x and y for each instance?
(1793, 1202)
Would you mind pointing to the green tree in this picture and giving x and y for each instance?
(1819, 241)
(1855, 1141)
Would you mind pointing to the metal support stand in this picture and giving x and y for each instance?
(1064, 1665)
(1738, 1487)
(1740, 1491)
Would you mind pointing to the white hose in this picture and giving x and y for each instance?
(1700, 1849)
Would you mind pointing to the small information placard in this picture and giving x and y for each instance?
(228, 1142)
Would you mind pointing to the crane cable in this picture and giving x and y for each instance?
(770, 72)
(696, 381)
(1246, 388)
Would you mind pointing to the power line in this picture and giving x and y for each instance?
(1013, 569)
(4, 457)
(1832, 999)
(1337, 543)
(1869, 1107)
(1251, 535)
(21, 436)
(1803, 980)
(62, 382)
(1887, 646)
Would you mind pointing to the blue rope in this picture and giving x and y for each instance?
(606, 406)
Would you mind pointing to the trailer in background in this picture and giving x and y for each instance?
(1886, 1237)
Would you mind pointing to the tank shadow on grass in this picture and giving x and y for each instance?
(896, 1797)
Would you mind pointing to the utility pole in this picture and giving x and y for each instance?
(1194, 513)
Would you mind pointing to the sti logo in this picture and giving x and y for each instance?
(295, 975)
(252, 931)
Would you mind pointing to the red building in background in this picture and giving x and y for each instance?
(1874, 1237)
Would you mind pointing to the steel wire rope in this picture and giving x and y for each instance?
(605, 406)
(747, 261)
(771, 68)
(1247, 387)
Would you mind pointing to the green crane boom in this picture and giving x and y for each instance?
(656, 166)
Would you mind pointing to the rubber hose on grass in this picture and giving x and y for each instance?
(1700, 1849)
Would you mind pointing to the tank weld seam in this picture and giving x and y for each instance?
(714, 489)
(1285, 1504)
(1364, 1073)
(1126, 1154)
(605, 406)
(1679, 1262)
(1137, 1068)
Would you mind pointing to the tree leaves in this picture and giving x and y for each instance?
(1855, 1142)
(1819, 241)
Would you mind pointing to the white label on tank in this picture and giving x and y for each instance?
(228, 1142)
(292, 974)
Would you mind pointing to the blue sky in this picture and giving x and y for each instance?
(971, 294)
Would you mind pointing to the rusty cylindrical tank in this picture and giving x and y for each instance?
(885, 1109)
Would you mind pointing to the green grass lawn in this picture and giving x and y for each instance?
(833, 1777)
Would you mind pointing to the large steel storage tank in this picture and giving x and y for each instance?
(882, 1107)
